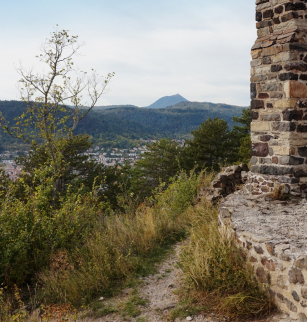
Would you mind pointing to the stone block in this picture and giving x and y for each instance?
(301, 66)
(253, 90)
(304, 292)
(260, 149)
(302, 128)
(273, 50)
(301, 262)
(280, 297)
(257, 104)
(270, 117)
(268, 14)
(302, 151)
(269, 264)
(291, 306)
(283, 126)
(272, 170)
(285, 103)
(276, 68)
(265, 138)
(294, 6)
(260, 126)
(266, 60)
(258, 16)
(284, 57)
(254, 115)
(289, 115)
(290, 160)
(256, 53)
(263, 275)
(302, 104)
(295, 296)
(282, 150)
(296, 276)
(270, 248)
(278, 95)
(258, 78)
(289, 16)
(288, 76)
(288, 180)
(269, 87)
(263, 95)
(295, 89)
(258, 250)
(282, 282)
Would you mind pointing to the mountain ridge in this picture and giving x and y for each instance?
(166, 101)
(125, 125)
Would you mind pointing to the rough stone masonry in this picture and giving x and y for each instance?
(274, 232)
(279, 98)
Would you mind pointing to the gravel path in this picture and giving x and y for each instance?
(159, 290)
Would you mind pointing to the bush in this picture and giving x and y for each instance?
(32, 230)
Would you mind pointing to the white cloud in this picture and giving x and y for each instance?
(197, 49)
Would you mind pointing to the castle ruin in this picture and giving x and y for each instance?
(279, 98)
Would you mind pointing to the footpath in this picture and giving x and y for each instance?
(158, 293)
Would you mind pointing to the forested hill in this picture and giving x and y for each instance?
(123, 125)
(175, 121)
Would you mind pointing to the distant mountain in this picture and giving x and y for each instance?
(167, 101)
(125, 125)
(106, 107)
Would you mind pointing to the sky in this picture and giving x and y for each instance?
(199, 49)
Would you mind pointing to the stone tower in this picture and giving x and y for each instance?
(279, 98)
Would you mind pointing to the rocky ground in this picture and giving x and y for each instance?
(159, 293)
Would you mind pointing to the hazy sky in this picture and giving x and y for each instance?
(197, 48)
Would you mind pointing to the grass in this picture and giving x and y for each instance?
(122, 247)
(215, 267)
(188, 306)
(131, 307)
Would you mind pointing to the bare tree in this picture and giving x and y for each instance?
(54, 99)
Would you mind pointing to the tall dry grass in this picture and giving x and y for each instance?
(214, 266)
(118, 246)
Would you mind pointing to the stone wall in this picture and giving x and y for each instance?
(279, 96)
(226, 182)
(273, 235)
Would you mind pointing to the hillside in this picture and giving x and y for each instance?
(125, 125)
(167, 101)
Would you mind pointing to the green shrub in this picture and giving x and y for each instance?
(32, 230)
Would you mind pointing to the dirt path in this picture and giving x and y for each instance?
(159, 291)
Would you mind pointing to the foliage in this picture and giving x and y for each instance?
(159, 164)
(214, 265)
(211, 145)
(123, 127)
(241, 137)
(118, 247)
(12, 303)
(46, 115)
(245, 149)
(37, 230)
(4, 184)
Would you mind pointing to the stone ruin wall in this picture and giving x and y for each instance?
(279, 98)
(273, 233)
